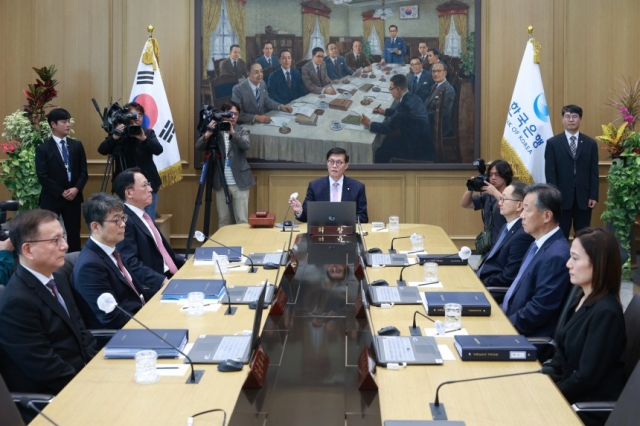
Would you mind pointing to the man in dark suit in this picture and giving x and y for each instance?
(535, 298)
(336, 65)
(253, 98)
(571, 164)
(100, 269)
(233, 65)
(145, 252)
(314, 74)
(357, 59)
(420, 81)
(61, 166)
(501, 265)
(407, 130)
(335, 187)
(441, 89)
(232, 146)
(135, 150)
(43, 342)
(394, 48)
(267, 60)
(285, 84)
(423, 49)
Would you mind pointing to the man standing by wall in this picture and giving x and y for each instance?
(267, 60)
(233, 65)
(394, 48)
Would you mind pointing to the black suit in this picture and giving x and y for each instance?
(422, 87)
(95, 273)
(52, 175)
(576, 189)
(140, 253)
(41, 346)
(352, 190)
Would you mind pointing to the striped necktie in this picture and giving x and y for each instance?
(258, 97)
(54, 289)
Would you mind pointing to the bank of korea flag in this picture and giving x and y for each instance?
(528, 123)
(148, 91)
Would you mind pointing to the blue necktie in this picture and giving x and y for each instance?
(65, 158)
(258, 97)
(496, 246)
(415, 83)
(533, 249)
(54, 289)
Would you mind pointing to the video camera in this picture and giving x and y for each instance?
(116, 114)
(477, 183)
(5, 206)
(208, 113)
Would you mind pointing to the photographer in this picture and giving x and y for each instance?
(135, 150)
(231, 147)
(6, 261)
(500, 176)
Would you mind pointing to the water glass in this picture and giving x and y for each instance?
(452, 316)
(222, 264)
(146, 367)
(430, 272)
(418, 242)
(196, 304)
(394, 223)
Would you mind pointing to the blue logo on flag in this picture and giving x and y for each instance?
(540, 108)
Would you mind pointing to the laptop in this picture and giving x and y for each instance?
(259, 259)
(412, 350)
(327, 213)
(382, 259)
(392, 294)
(242, 295)
(213, 349)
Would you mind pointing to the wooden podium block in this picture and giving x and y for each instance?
(279, 303)
(262, 222)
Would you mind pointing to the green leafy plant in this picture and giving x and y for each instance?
(468, 58)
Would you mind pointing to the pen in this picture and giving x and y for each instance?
(205, 304)
(166, 368)
(435, 282)
(415, 251)
(236, 266)
(381, 229)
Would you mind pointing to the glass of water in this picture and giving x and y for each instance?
(430, 272)
(394, 223)
(222, 264)
(452, 316)
(196, 304)
(146, 373)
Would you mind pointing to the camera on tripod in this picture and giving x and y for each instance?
(6, 206)
(209, 113)
(116, 114)
(477, 183)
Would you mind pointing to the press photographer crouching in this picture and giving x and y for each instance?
(132, 145)
(490, 188)
(6, 248)
(229, 143)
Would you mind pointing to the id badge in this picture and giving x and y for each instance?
(227, 162)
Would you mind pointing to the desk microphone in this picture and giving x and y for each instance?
(107, 303)
(28, 404)
(391, 250)
(285, 222)
(201, 237)
(437, 410)
(402, 282)
(414, 330)
(230, 310)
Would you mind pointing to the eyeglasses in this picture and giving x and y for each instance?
(436, 71)
(57, 240)
(145, 185)
(502, 199)
(335, 163)
(319, 56)
(392, 88)
(571, 117)
(118, 219)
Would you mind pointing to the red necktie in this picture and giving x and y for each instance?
(163, 251)
(127, 277)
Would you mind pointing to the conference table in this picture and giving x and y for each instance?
(309, 144)
(312, 378)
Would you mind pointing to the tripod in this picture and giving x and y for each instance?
(206, 182)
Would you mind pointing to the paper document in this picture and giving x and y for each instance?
(279, 121)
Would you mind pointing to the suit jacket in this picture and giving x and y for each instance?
(423, 87)
(558, 169)
(536, 303)
(52, 174)
(500, 269)
(131, 152)
(238, 146)
(244, 96)
(280, 92)
(310, 79)
(407, 128)
(262, 60)
(350, 59)
(226, 68)
(393, 58)
(95, 273)
(352, 190)
(444, 89)
(140, 253)
(343, 68)
(587, 365)
(41, 346)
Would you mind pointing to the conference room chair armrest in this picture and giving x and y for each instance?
(593, 406)
(497, 290)
(102, 333)
(36, 398)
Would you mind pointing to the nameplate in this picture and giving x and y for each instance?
(330, 230)
(366, 371)
(277, 308)
(359, 306)
(292, 265)
(258, 369)
(358, 268)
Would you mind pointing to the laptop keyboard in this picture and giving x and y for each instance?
(398, 349)
(387, 294)
(232, 347)
(380, 259)
(252, 294)
(272, 258)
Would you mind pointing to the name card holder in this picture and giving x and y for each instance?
(359, 305)
(257, 369)
(277, 308)
(292, 265)
(366, 371)
(330, 230)
(358, 268)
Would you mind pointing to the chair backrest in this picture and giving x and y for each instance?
(9, 413)
(302, 63)
(267, 72)
(222, 88)
(627, 409)
(216, 65)
(632, 323)
(69, 262)
(447, 149)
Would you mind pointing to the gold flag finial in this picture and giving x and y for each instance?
(151, 54)
(536, 45)
(530, 30)
(150, 30)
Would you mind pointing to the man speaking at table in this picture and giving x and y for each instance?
(253, 98)
(335, 187)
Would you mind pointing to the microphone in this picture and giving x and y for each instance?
(414, 330)
(230, 310)
(28, 404)
(391, 250)
(285, 222)
(437, 410)
(107, 303)
(402, 282)
(201, 237)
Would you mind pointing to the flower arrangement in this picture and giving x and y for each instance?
(24, 131)
(623, 197)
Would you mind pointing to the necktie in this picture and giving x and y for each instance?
(318, 74)
(163, 251)
(65, 158)
(258, 97)
(288, 79)
(336, 66)
(415, 84)
(54, 289)
(234, 67)
(126, 275)
(533, 249)
(393, 42)
(573, 146)
(335, 195)
(357, 56)
(496, 246)
(268, 62)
